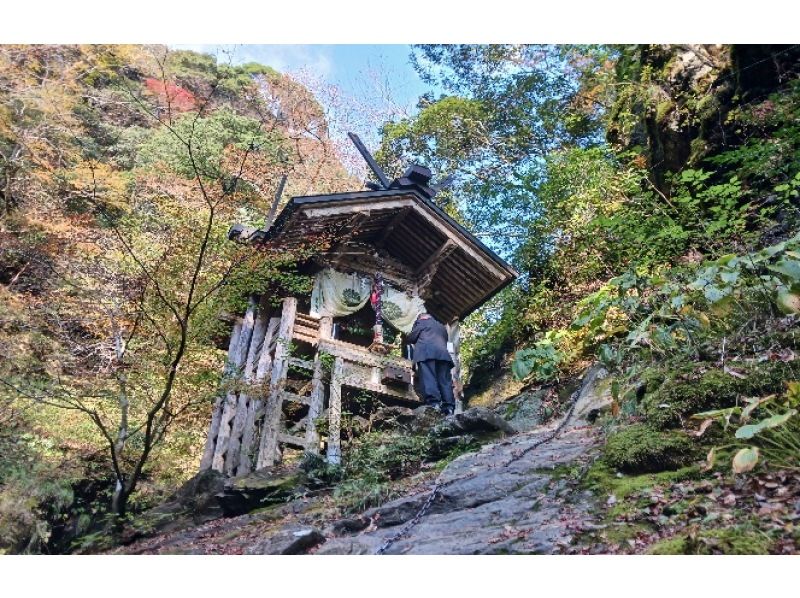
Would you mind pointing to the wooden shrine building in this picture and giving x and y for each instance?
(392, 254)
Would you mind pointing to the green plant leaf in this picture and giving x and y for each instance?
(751, 430)
(789, 268)
(715, 413)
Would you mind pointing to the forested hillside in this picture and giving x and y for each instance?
(650, 196)
(647, 194)
(122, 169)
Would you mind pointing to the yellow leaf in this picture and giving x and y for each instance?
(745, 460)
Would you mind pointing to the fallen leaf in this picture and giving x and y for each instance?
(710, 458)
(703, 427)
(734, 373)
(745, 459)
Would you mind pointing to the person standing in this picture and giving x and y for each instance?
(433, 362)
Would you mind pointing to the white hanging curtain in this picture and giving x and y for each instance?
(337, 294)
(400, 309)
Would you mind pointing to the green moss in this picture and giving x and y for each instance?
(604, 479)
(663, 109)
(718, 541)
(641, 449)
(688, 392)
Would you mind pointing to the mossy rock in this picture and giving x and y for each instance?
(688, 392)
(258, 489)
(642, 449)
(719, 541)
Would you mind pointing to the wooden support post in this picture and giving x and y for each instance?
(377, 305)
(232, 455)
(255, 409)
(454, 340)
(268, 449)
(231, 400)
(216, 413)
(317, 399)
(334, 454)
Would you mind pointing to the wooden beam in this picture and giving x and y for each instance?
(454, 340)
(354, 381)
(316, 402)
(268, 450)
(250, 439)
(394, 223)
(436, 257)
(231, 400)
(274, 207)
(373, 165)
(297, 441)
(340, 207)
(216, 413)
(334, 453)
(233, 454)
(427, 272)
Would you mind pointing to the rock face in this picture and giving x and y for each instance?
(595, 395)
(259, 489)
(289, 541)
(476, 421)
(489, 504)
(194, 503)
(524, 411)
(508, 497)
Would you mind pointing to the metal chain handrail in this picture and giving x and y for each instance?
(438, 484)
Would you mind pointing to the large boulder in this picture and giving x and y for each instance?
(595, 395)
(193, 503)
(478, 421)
(260, 489)
(524, 411)
(288, 541)
(393, 417)
(425, 418)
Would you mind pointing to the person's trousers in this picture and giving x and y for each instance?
(436, 383)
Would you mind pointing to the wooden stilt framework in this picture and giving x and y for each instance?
(248, 429)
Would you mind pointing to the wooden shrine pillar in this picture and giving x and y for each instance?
(231, 399)
(255, 408)
(268, 449)
(334, 454)
(216, 413)
(316, 403)
(233, 457)
(454, 346)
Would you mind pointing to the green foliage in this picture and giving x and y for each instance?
(210, 136)
(735, 540)
(641, 449)
(775, 434)
(540, 361)
(373, 461)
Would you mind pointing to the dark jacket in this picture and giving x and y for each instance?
(429, 337)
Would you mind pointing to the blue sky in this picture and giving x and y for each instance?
(347, 66)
